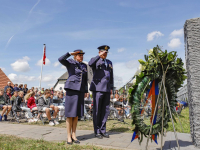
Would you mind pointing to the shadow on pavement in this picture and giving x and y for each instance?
(92, 136)
(173, 144)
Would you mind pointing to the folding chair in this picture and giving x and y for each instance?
(18, 114)
(89, 111)
(43, 119)
(57, 101)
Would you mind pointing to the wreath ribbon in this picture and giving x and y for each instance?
(153, 93)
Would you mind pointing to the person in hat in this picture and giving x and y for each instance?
(101, 86)
(76, 86)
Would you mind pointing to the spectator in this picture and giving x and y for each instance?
(32, 88)
(62, 108)
(14, 97)
(31, 101)
(114, 109)
(16, 107)
(4, 106)
(88, 98)
(36, 90)
(9, 86)
(7, 95)
(116, 95)
(44, 105)
(52, 91)
(58, 94)
(55, 95)
(37, 96)
(51, 98)
(42, 91)
(16, 87)
(25, 89)
(21, 87)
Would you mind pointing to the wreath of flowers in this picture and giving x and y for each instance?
(153, 68)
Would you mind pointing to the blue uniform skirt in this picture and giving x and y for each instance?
(74, 103)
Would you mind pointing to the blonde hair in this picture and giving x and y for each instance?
(20, 92)
(27, 96)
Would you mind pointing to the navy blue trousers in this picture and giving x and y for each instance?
(74, 103)
(101, 104)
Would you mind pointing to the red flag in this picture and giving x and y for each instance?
(44, 55)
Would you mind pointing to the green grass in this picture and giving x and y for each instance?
(15, 143)
(114, 125)
(185, 121)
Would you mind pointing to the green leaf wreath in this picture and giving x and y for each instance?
(152, 68)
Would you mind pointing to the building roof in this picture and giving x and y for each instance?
(4, 79)
(63, 77)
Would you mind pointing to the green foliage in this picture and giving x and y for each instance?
(154, 66)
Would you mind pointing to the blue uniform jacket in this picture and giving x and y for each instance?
(102, 76)
(77, 79)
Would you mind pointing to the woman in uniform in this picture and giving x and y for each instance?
(76, 87)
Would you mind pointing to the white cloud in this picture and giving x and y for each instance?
(123, 72)
(21, 65)
(177, 33)
(154, 34)
(121, 50)
(132, 64)
(21, 78)
(174, 43)
(47, 62)
(63, 67)
(51, 84)
(56, 64)
(47, 78)
(2, 68)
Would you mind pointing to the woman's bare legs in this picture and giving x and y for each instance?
(74, 125)
(9, 109)
(4, 110)
(69, 128)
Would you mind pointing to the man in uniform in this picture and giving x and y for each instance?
(101, 86)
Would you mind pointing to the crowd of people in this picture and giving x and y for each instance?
(29, 100)
(13, 99)
(20, 98)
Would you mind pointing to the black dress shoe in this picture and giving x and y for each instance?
(76, 141)
(105, 135)
(99, 136)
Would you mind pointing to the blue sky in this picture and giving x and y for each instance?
(129, 27)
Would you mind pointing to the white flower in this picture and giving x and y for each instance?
(134, 81)
(150, 51)
(137, 72)
(141, 67)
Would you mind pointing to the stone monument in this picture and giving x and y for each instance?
(192, 57)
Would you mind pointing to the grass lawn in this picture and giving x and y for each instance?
(15, 143)
(114, 125)
(185, 121)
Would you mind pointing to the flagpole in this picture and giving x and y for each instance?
(42, 67)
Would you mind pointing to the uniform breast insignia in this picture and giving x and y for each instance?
(84, 69)
(110, 66)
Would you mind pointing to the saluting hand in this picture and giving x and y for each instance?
(102, 52)
(74, 53)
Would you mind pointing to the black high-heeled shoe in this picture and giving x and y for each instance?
(70, 143)
(76, 141)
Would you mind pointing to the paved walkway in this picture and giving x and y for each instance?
(116, 140)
